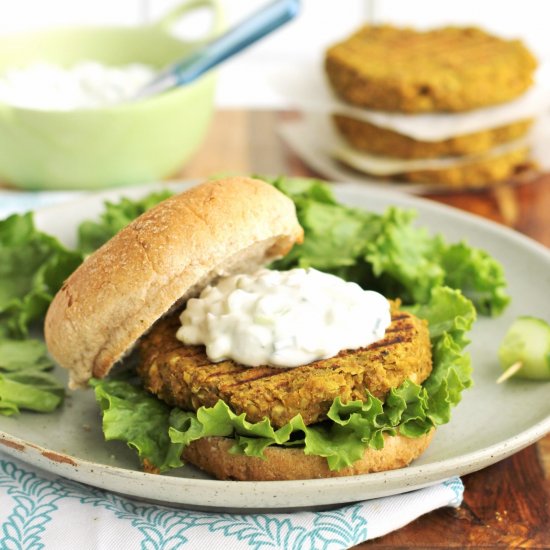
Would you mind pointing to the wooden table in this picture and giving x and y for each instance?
(505, 505)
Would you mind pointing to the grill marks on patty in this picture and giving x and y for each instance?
(183, 376)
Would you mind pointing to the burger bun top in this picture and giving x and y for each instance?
(158, 261)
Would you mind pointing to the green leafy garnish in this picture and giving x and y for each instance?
(33, 266)
(479, 276)
(132, 415)
(25, 382)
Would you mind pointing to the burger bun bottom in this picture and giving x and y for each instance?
(213, 455)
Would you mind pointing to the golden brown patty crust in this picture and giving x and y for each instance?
(480, 173)
(183, 376)
(369, 138)
(445, 69)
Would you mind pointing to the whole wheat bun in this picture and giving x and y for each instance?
(212, 454)
(160, 260)
(155, 264)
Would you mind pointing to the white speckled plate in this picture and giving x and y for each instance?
(492, 421)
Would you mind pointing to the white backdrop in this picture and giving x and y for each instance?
(321, 22)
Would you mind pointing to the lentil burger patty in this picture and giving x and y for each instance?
(369, 138)
(446, 69)
(183, 375)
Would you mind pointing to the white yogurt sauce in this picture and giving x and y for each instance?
(85, 85)
(283, 318)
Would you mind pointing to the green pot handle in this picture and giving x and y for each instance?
(167, 21)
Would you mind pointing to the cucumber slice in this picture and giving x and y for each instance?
(528, 342)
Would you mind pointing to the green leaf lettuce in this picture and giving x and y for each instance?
(33, 266)
(25, 382)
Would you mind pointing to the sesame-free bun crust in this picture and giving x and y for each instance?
(160, 260)
(212, 454)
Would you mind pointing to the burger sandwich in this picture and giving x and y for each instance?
(266, 375)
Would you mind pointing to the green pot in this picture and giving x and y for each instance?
(113, 146)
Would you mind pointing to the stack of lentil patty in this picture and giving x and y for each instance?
(446, 70)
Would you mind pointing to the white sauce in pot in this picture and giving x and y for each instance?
(283, 318)
(87, 84)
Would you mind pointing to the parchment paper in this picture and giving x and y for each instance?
(306, 89)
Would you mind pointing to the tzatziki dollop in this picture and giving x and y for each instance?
(283, 318)
(85, 85)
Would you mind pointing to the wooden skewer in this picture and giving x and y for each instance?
(505, 197)
(509, 372)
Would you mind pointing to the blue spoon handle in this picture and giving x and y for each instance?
(258, 25)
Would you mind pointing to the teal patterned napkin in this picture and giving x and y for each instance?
(42, 511)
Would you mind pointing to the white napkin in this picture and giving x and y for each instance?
(40, 510)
